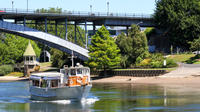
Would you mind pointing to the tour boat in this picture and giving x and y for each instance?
(70, 83)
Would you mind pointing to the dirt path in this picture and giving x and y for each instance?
(184, 70)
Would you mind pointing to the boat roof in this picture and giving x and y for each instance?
(46, 75)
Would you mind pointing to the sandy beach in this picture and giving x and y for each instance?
(184, 74)
(12, 78)
(149, 80)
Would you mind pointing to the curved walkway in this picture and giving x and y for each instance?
(184, 70)
(45, 38)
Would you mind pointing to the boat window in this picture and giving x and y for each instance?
(35, 83)
(73, 71)
(79, 71)
(54, 83)
(43, 84)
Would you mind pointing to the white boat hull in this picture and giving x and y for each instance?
(61, 93)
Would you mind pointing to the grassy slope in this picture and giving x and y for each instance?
(181, 57)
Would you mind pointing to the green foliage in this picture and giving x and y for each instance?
(6, 69)
(156, 61)
(13, 47)
(133, 48)
(59, 58)
(149, 31)
(171, 63)
(181, 57)
(103, 52)
(180, 19)
(195, 45)
(194, 59)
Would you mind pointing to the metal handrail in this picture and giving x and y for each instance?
(77, 13)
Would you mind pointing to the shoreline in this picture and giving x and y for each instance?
(149, 80)
(12, 78)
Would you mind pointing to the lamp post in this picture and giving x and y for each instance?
(107, 8)
(91, 9)
(27, 5)
(12, 5)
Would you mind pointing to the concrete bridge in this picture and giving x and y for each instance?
(20, 18)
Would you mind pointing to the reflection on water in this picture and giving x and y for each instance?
(14, 97)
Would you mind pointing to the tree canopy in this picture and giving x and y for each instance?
(13, 47)
(103, 52)
(133, 47)
(180, 20)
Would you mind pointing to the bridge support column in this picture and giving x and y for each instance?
(24, 22)
(36, 23)
(45, 25)
(86, 35)
(56, 27)
(94, 28)
(66, 29)
(15, 21)
(75, 31)
(127, 27)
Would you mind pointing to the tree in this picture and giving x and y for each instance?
(195, 45)
(13, 47)
(133, 47)
(180, 20)
(103, 52)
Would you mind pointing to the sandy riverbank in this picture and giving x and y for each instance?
(150, 80)
(12, 78)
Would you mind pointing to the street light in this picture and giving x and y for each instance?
(27, 5)
(12, 5)
(91, 9)
(108, 8)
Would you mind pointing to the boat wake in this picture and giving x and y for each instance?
(87, 101)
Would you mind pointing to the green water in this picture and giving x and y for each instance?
(14, 97)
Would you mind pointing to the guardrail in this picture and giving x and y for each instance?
(77, 13)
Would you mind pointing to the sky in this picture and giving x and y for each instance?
(115, 6)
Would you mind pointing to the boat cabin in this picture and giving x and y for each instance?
(46, 80)
(76, 76)
(73, 76)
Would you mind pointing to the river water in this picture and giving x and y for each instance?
(14, 97)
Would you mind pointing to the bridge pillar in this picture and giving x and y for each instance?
(56, 27)
(127, 27)
(86, 35)
(36, 22)
(75, 30)
(15, 21)
(24, 22)
(66, 29)
(45, 25)
(94, 28)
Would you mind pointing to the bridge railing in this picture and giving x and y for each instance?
(77, 13)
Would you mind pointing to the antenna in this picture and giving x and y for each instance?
(72, 58)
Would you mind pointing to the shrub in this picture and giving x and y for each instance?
(193, 59)
(6, 69)
(171, 63)
(145, 63)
